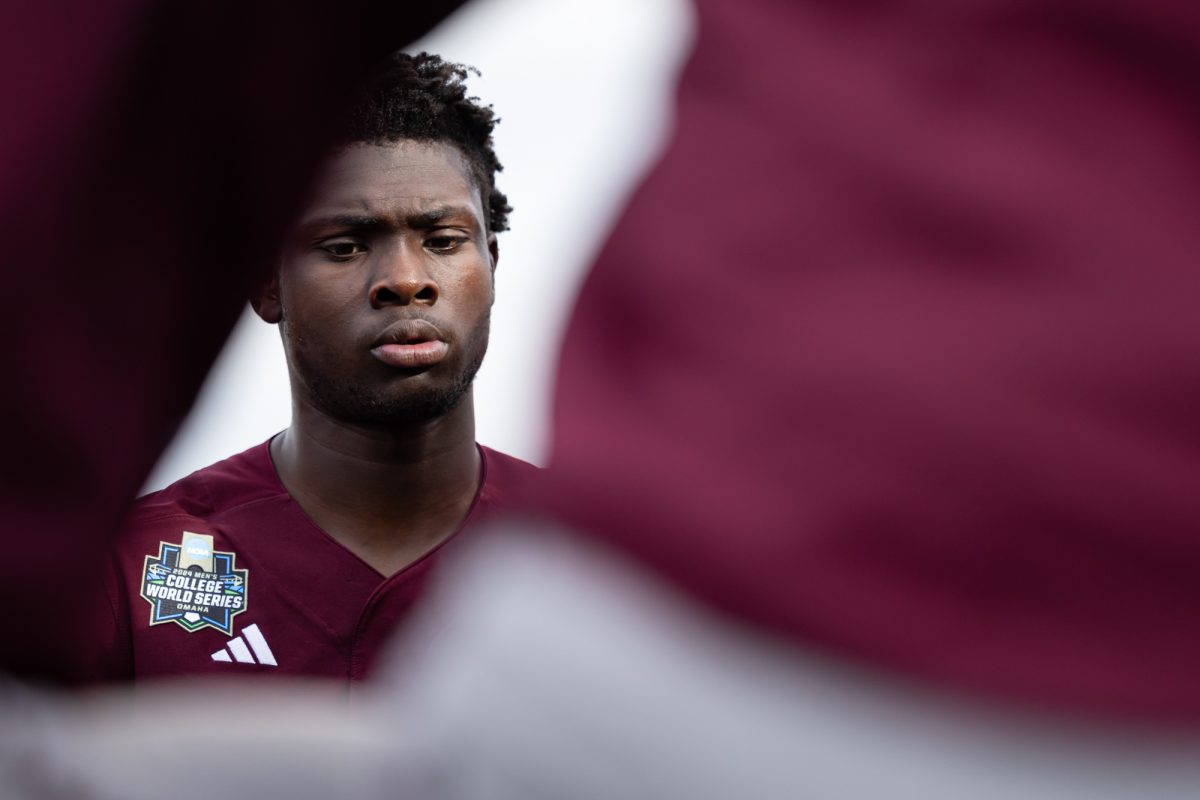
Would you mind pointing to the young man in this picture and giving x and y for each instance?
(300, 556)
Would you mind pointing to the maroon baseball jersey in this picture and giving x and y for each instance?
(223, 573)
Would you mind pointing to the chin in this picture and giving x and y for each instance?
(400, 406)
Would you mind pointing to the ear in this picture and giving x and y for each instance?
(265, 301)
(494, 249)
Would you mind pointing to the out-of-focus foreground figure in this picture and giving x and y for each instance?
(151, 155)
(876, 464)
(896, 351)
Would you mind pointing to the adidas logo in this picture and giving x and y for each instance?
(241, 653)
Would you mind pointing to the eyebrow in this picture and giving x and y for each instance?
(422, 220)
(358, 221)
(434, 216)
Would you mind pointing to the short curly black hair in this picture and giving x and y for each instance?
(424, 98)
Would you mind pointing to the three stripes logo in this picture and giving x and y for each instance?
(258, 651)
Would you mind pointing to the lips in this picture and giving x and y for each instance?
(410, 344)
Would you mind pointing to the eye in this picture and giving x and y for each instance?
(342, 249)
(445, 242)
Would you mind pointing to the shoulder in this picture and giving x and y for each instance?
(506, 479)
(215, 489)
(503, 467)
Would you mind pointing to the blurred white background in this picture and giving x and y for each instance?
(583, 90)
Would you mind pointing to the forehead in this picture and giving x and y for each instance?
(394, 180)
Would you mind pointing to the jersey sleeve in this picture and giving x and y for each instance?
(108, 654)
(106, 646)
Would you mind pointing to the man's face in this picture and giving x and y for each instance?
(385, 285)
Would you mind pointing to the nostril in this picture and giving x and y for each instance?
(401, 293)
(384, 296)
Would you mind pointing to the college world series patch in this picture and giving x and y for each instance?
(191, 584)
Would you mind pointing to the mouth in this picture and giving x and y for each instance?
(410, 344)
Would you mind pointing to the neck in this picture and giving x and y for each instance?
(388, 493)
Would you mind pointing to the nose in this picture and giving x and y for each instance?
(402, 280)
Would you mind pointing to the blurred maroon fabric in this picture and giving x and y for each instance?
(150, 156)
(897, 350)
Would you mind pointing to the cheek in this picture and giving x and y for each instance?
(317, 333)
(318, 305)
(467, 295)
(479, 286)
(314, 287)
